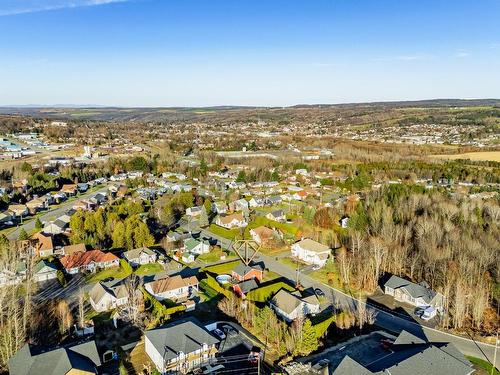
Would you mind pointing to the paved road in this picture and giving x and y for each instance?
(385, 319)
(52, 213)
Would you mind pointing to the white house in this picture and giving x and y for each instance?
(180, 347)
(291, 306)
(43, 271)
(197, 247)
(142, 255)
(172, 287)
(219, 207)
(107, 296)
(419, 295)
(236, 220)
(311, 252)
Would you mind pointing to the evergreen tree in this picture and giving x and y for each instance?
(23, 235)
(38, 224)
(118, 236)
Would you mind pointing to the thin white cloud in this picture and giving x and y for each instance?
(412, 57)
(13, 7)
(461, 53)
(494, 45)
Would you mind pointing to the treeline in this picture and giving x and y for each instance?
(452, 243)
(119, 225)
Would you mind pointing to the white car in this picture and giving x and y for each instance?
(217, 332)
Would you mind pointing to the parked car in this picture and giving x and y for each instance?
(217, 332)
(319, 292)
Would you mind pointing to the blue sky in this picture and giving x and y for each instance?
(246, 52)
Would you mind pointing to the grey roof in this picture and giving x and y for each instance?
(116, 288)
(185, 336)
(413, 289)
(411, 355)
(349, 366)
(134, 253)
(32, 361)
(248, 285)
(242, 269)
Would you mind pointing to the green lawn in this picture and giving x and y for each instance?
(264, 293)
(149, 269)
(221, 269)
(482, 364)
(289, 229)
(116, 272)
(329, 274)
(211, 257)
(229, 234)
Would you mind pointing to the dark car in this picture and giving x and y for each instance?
(319, 292)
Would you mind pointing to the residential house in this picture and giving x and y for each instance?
(277, 215)
(236, 220)
(311, 252)
(13, 276)
(37, 204)
(198, 247)
(410, 355)
(82, 187)
(185, 256)
(256, 202)
(6, 217)
(180, 347)
(105, 296)
(72, 249)
(142, 255)
(292, 305)
(271, 201)
(244, 287)
(55, 227)
(300, 195)
(195, 211)
(73, 359)
(84, 204)
(172, 287)
(344, 222)
(44, 271)
(243, 272)
(263, 235)
(42, 244)
(18, 210)
(88, 261)
(239, 205)
(219, 207)
(69, 189)
(415, 294)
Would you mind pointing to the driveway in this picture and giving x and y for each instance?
(385, 319)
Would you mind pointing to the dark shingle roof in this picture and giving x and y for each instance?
(32, 361)
(186, 337)
(413, 289)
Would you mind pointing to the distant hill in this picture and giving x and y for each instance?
(103, 113)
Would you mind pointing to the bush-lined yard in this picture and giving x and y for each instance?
(264, 293)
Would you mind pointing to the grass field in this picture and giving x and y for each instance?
(264, 293)
(229, 234)
(221, 269)
(483, 367)
(116, 272)
(149, 269)
(475, 156)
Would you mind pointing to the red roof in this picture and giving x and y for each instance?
(83, 259)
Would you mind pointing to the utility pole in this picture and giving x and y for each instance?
(495, 355)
